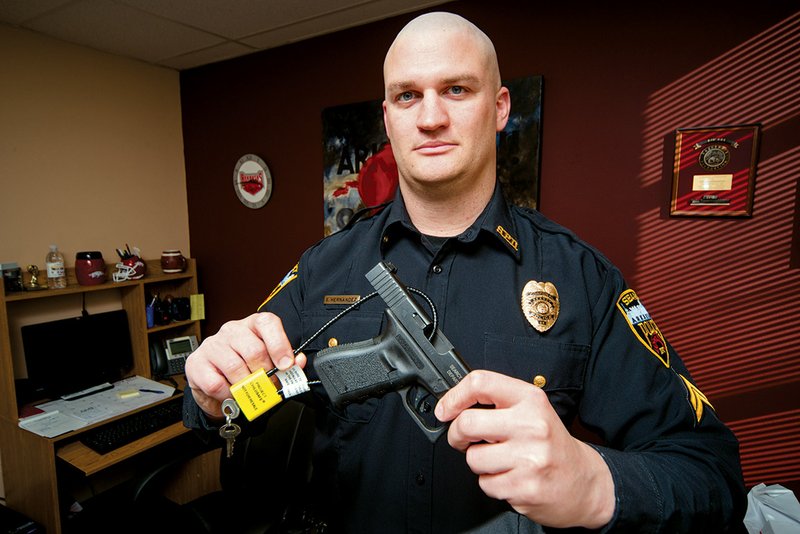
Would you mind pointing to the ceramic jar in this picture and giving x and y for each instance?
(90, 268)
(172, 261)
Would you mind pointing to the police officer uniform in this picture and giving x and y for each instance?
(517, 294)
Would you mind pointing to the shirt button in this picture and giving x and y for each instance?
(386, 239)
(539, 381)
(437, 269)
(332, 342)
(420, 479)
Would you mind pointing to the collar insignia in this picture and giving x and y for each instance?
(508, 237)
(540, 304)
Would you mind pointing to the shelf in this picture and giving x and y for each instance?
(153, 275)
(170, 326)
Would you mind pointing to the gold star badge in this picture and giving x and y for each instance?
(540, 304)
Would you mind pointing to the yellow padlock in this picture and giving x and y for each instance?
(256, 394)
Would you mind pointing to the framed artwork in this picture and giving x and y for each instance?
(359, 168)
(714, 171)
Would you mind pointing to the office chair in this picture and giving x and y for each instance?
(279, 459)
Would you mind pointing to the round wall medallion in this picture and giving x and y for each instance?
(714, 157)
(252, 181)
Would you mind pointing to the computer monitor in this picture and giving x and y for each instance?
(70, 355)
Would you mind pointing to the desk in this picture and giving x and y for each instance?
(35, 463)
(36, 468)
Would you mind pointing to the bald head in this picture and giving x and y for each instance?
(432, 28)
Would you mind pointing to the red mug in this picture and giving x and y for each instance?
(172, 261)
(90, 269)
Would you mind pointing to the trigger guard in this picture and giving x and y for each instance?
(432, 434)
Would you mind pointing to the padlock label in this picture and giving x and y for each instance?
(293, 381)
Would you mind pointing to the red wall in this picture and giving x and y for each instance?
(617, 83)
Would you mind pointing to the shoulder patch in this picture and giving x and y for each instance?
(642, 325)
(291, 275)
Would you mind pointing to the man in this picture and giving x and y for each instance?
(547, 323)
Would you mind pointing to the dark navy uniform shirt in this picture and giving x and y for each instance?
(675, 465)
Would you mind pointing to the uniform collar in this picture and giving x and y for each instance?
(495, 220)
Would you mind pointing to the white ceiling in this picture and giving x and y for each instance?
(181, 34)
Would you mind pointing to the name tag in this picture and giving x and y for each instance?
(340, 300)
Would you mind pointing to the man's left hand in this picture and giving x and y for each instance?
(524, 454)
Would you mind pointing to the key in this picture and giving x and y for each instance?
(229, 430)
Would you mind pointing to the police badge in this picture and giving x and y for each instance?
(540, 304)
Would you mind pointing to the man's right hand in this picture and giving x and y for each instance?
(237, 350)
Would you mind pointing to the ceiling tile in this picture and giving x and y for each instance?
(334, 21)
(182, 32)
(226, 50)
(120, 29)
(239, 18)
(18, 11)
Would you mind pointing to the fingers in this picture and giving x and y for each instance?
(477, 425)
(237, 350)
(270, 330)
(491, 458)
(479, 387)
(523, 453)
(482, 389)
(256, 342)
(492, 408)
(211, 406)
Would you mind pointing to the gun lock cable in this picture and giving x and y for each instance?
(303, 345)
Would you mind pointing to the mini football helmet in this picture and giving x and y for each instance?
(131, 268)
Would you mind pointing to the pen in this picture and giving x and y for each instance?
(150, 391)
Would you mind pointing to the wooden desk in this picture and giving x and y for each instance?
(32, 465)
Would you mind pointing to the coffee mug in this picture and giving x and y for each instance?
(172, 261)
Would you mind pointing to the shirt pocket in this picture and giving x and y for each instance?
(558, 368)
(353, 327)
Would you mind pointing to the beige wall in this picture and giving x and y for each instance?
(91, 152)
(91, 158)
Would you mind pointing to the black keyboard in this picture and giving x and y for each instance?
(123, 431)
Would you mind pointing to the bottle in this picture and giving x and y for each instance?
(56, 270)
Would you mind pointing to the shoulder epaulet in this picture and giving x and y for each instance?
(544, 226)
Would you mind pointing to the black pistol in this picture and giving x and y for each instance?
(410, 351)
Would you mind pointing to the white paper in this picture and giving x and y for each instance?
(63, 416)
(51, 424)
